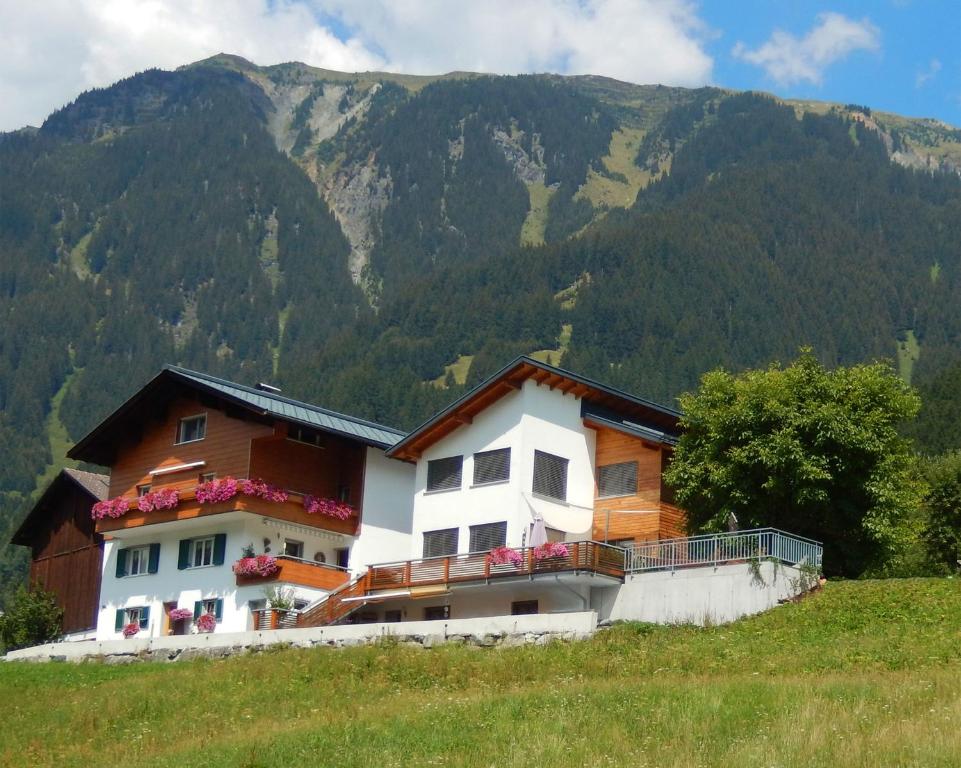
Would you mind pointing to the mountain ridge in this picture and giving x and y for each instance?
(376, 248)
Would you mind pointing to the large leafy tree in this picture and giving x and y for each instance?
(942, 532)
(816, 452)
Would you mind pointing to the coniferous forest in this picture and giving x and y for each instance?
(352, 249)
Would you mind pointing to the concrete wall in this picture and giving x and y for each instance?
(387, 515)
(698, 595)
(533, 418)
(487, 631)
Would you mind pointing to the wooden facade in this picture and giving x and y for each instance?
(66, 552)
(648, 514)
(234, 446)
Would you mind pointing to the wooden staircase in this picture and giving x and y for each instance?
(334, 608)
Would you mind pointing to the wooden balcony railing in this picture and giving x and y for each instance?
(337, 604)
(582, 556)
(304, 573)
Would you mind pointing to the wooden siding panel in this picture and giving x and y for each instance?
(225, 449)
(67, 556)
(641, 516)
(308, 469)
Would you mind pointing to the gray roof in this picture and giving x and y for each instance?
(294, 410)
(96, 485)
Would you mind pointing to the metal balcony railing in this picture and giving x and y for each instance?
(720, 548)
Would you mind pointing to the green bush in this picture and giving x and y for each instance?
(942, 533)
(32, 618)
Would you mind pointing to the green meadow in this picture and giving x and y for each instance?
(858, 674)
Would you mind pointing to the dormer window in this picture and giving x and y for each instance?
(192, 429)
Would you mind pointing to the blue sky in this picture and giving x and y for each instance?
(896, 55)
(915, 71)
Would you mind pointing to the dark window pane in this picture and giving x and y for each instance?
(492, 466)
(444, 474)
(439, 543)
(617, 479)
(550, 476)
(486, 537)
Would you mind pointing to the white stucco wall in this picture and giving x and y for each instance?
(698, 595)
(387, 515)
(217, 581)
(533, 418)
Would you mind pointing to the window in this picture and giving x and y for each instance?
(485, 537)
(212, 605)
(436, 612)
(550, 476)
(523, 607)
(305, 435)
(139, 615)
(492, 466)
(617, 479)
(293, 548)
(445, 474)
(202, 552)
(208, 477)
(136, 561)
(343, 556)
(192, 428)
(392, 616)
(143, 490)
(439, 543)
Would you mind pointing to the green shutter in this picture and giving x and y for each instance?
(153, 564)
(119, 623)
(121, 563)
(198, 608)
(183, 560)
(220, 548)
(219, 609)
(144, 617)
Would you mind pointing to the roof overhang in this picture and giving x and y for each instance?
(35, 517)
(643, 413)
(101, 444)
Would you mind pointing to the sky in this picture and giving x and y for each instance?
(900, 56)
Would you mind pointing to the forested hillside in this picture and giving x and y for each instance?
(376, 243)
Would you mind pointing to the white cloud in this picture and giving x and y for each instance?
(788, 59)
(51, 50)
(922, 78)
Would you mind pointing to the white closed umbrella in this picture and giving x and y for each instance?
(538, 532)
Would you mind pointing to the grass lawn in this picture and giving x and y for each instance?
(860, 674)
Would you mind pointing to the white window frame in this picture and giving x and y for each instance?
(143, 489)
(209, 605)
(142, 555)
(198, 543)
(133, 615)
(180, 429)
(299, 545)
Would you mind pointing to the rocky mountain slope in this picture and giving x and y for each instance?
(378, 242)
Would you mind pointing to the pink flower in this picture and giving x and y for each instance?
(216, 491)
(262, 490)
(179, 614)
(330, 507)
(207, 623)
(131, 629)
(165, 498)
(262, 565)
(551, 549)
(505, 556)
(113, 508)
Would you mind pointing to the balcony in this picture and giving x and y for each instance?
(589, 557)
(292, 511)
(303, 573)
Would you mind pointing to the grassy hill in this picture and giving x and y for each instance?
(860, 674)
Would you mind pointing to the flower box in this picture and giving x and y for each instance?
(551, 550)
(505, 556)
(314, 505)
(259, 566)
(206, 623)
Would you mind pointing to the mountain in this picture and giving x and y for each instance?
(378, 242)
